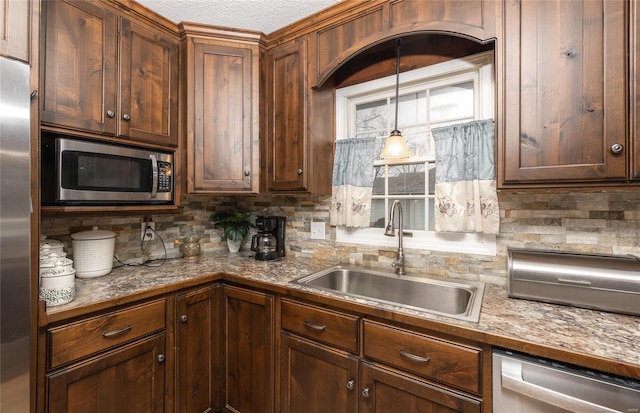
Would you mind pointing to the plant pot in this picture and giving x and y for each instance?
(234, 246)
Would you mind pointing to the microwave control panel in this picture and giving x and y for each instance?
(164, 176)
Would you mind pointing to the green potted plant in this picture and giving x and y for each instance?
(235, 224)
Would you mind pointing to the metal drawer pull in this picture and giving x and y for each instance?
(160, 358)
(314, 326)
(116, 332)
(350, 385)
(414, 357)
(184, 318)
(366, 392)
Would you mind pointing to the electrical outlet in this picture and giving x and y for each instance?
(146, 233)
(317, 230)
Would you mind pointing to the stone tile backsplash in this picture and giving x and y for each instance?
(589, 222)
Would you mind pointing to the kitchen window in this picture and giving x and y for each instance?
(456, 91)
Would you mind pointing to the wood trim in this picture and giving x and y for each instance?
(205, 31)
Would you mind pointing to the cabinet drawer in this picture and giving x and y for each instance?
(326, 326)
(80, 339)
(422, 355)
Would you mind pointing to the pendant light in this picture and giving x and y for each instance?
(395, 147)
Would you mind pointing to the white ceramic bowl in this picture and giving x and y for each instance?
(93, 252)
(59, 289)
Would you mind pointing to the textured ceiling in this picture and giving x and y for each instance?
(261, 15)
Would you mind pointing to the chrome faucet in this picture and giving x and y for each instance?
(398, 263)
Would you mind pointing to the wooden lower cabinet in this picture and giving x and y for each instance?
(130, 378)
(316, 379)
(247, 356)
(328, 364)
(388, 391)
(196, 351)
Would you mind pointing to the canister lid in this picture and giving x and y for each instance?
(93, 234)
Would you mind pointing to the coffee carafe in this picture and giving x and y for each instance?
(268, 243)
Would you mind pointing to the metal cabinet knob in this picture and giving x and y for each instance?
(299, 171)
(160, 358)
(247, 172)
(111, 113)
(617, 148)
(184, 318)
(350, 385)
(126, 116)
(366, 392)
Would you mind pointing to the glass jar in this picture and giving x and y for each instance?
(191, 247)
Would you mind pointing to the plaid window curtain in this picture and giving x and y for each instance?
(466, 199)
(352, 181)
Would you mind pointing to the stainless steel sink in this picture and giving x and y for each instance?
(457, 299)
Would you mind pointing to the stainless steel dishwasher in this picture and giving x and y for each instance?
(526, 384)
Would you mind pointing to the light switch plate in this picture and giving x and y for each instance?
(317, 230)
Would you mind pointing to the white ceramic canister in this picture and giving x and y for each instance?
(58, 290)
(51, 245)
(51, 267)
(93, 252)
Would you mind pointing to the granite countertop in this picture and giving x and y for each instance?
(601, 336)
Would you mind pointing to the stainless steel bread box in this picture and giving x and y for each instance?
(602, 282)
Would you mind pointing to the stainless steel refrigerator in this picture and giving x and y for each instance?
(15, 216)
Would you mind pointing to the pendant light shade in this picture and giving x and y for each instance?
(395, 147)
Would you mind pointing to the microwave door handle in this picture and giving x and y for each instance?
(154, 175)
(512, 380)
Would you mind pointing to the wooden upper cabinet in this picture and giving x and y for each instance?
(565, 114)
(15, 28)
(79, 66)
(223, 148)
(370, 23)
(148, 85)
(287, 139)
(99, 81)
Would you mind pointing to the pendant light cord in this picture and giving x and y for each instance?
(398, 41)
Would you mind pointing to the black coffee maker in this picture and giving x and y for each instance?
(268, 243)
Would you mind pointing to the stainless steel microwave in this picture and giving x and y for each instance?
(82, 172)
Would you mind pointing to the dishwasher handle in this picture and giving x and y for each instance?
(512, 379)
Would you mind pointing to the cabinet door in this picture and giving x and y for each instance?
(385, 391)
(128, 379)
(79, 66)
(148, 86)
(223, 151)
(287, 142)
(248, 351)
(14, 29)
(565, 93)
(196, 351)
(316, 379)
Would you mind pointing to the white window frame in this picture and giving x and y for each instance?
(479, 67)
